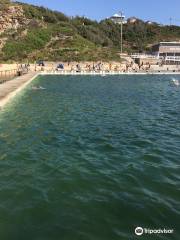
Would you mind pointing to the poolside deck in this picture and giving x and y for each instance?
(9, 89)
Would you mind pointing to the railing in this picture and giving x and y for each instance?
(167, 58)
(7, 75)
(173, 58)
(140, 55)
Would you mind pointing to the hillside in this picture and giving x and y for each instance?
(28, 33)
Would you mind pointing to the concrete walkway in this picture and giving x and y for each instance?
(9, 89)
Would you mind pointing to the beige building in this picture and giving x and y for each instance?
(168, 52)
(132, 20)
(164, 49)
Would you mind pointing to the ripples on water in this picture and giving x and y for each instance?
(90, 158)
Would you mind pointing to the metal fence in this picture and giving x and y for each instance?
(7, 75)
(141, 55)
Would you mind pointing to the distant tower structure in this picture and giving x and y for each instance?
(173, 21)
(119, 18)
(170, 21)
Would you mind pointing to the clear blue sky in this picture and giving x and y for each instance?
(156, 10)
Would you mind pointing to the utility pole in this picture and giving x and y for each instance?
(170, 21)
(173, 21)
(121, 32)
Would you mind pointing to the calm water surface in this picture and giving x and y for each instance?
(91, 158)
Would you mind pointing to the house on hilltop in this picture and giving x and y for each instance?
(132, 20)
(118, 18)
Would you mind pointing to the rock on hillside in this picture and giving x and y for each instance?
(12, 17)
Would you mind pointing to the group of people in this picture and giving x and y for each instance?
(92, 67)
(95, 67)
(23, 69)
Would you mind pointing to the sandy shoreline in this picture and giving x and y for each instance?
(11, 88)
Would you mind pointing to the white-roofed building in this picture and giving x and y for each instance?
(119, 18)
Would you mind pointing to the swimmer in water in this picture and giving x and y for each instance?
(175, 82)
(38, 88)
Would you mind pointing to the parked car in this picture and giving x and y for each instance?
(40, 63)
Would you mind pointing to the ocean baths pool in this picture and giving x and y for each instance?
(90, 158)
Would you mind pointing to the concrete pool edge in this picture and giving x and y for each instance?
(106, 73)
(13, 87)
(18, 84)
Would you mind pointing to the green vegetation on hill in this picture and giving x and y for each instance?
(51, 35)
(20, 48)
(4, 4)
(44, 14)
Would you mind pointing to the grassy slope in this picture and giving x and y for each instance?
(55, 32)
(52, 36)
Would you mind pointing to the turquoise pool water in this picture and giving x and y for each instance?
(91, 158)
